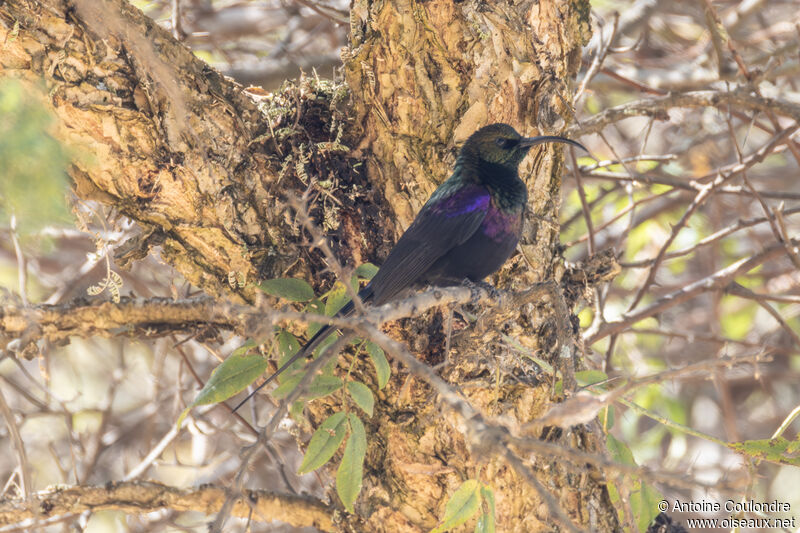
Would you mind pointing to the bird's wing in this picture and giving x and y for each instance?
(443, 223)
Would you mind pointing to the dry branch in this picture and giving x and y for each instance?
(715, 282)
(146, 496)
(153, 317)
(157, 317)
(657, 107)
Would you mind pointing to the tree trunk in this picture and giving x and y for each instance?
(206, 168)
(425, 75)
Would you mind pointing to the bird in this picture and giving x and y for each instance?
(466, 230)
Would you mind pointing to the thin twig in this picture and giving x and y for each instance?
(715, 281)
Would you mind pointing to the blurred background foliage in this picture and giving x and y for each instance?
(89, 412)
(638, 205)
(34, 186)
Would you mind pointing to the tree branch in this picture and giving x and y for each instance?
(717, 281)
(657, 107)
(147, 496)
(156, 317)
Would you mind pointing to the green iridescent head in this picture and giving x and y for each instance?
(501, 144)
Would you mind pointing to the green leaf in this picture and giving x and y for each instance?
(584, 378)
(316, 307)
(778, 450)
(230, 377)
(329, 367)
(462, 506)
(366, 271)
(485, 524)
(337, 298)
(486, 521)
(378, 358)
(287, 346)
(642, 497)
(324, 442)
(292, 289)
(606, 417)
(287, 385)
(644, 503)
(619, 450)
(322, 386)
(350, 474)
(330, 339)
(244, 348)
(613, 495)
(590, 377)
(488, 496)
(362, 396)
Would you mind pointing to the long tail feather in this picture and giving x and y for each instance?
(318, 338)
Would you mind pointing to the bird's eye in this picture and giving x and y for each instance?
(504, 142)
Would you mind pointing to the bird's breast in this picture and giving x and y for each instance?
(499, 224)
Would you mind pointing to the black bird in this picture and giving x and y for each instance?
(465, 231)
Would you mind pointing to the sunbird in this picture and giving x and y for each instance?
(465, 231)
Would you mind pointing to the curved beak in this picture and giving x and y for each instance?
(527, 142)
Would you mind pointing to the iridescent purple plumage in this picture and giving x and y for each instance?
(499, 224)
(465, 200)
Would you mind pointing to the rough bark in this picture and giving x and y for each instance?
(204, 168)
(424, 75)
(148, 496)
(170, 143)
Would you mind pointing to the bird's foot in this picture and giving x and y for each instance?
(488, 287)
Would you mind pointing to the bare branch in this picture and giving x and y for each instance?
(147, 496)
(717, 281)
(656, 107)
(156, 317)
(153, 317)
